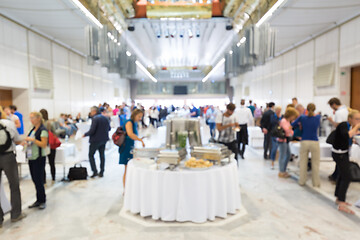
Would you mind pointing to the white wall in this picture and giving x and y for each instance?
(291, 74)
(77, 86)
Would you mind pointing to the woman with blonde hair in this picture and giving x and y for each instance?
(131, 128)
(310, 124)
(37, 150)
(344, 133)
(290, 115)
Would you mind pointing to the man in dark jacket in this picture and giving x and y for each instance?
(265, 125)
(99, 135)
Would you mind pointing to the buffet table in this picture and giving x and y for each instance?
(256, 137)
(325, 149)
(183, 195)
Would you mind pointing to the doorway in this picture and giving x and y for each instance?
(5, 98)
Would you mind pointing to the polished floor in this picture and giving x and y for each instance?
(273, 208)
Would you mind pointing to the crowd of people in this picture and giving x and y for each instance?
(295, 123)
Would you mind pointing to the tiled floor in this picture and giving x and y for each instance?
(274, 209)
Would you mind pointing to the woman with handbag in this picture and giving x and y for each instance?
(340, 153)
(54, 143)
(131, 128)
(36, 152)
(285, 123)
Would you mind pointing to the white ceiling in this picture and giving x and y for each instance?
(296, 21)
(300, 19)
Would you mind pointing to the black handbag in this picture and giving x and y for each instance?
(77, 173)
(278, 132)
(331, 138)
(354, 171)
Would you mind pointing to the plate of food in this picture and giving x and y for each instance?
(198, 164)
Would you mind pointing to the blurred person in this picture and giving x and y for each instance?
(265, 125)
(225, 124)
(294, 101)
(131, 128)
(14, 111)
(127, 110)
(36, 152)
(194, 112)
(133, 106)
(122, 117)
(9, 166)
(275, 120)
(154, 115)
(210, 118)
(12, 117)
(310, 124)
(251, 107)
(344, 133)
(257, 115)
(341, 115)
(54, 143)
(284, 157)
(244, 118)
(99, 135)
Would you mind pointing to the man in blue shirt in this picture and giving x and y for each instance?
(13, 109)
(99, 135)
(251, 106)
(194, 111)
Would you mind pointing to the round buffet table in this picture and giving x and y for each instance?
(183, 195)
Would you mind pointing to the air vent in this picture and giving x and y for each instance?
(116, 92)
(324, 76)
(43, 78)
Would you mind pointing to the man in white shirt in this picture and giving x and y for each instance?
(341, 115)
(341, 112)
(244, 118)
(224, 124)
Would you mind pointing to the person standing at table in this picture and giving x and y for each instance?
(344, 133)
(131, 128)
(224, 124)
(99, 135)
(341, 115)
(210, 118)
(244, 118)
(8, 164)
(310, 124)
(36, 152)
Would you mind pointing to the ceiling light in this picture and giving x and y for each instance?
(230, 52)
(238, 44)
(87, 13)
(214, 69)
(270, 12)
(145, 71)
(115, 40)
(119, 44)
(109, 34)
(128, 53)
(190, 33)
(242, 40)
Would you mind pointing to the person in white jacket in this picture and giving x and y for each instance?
(244, 118)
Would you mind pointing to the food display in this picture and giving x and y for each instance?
(171, 156)
(194, 163)
(211, 151)
(182, 137)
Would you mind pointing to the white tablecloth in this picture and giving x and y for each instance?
(325, 149)
(65, 153)
(5, 204)
(20, 154)
(183, 195)
(256, 137)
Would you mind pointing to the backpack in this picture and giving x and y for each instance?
(278, 131)
(119, 137)
(5, 139)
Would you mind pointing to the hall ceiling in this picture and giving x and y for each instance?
(295, 21)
